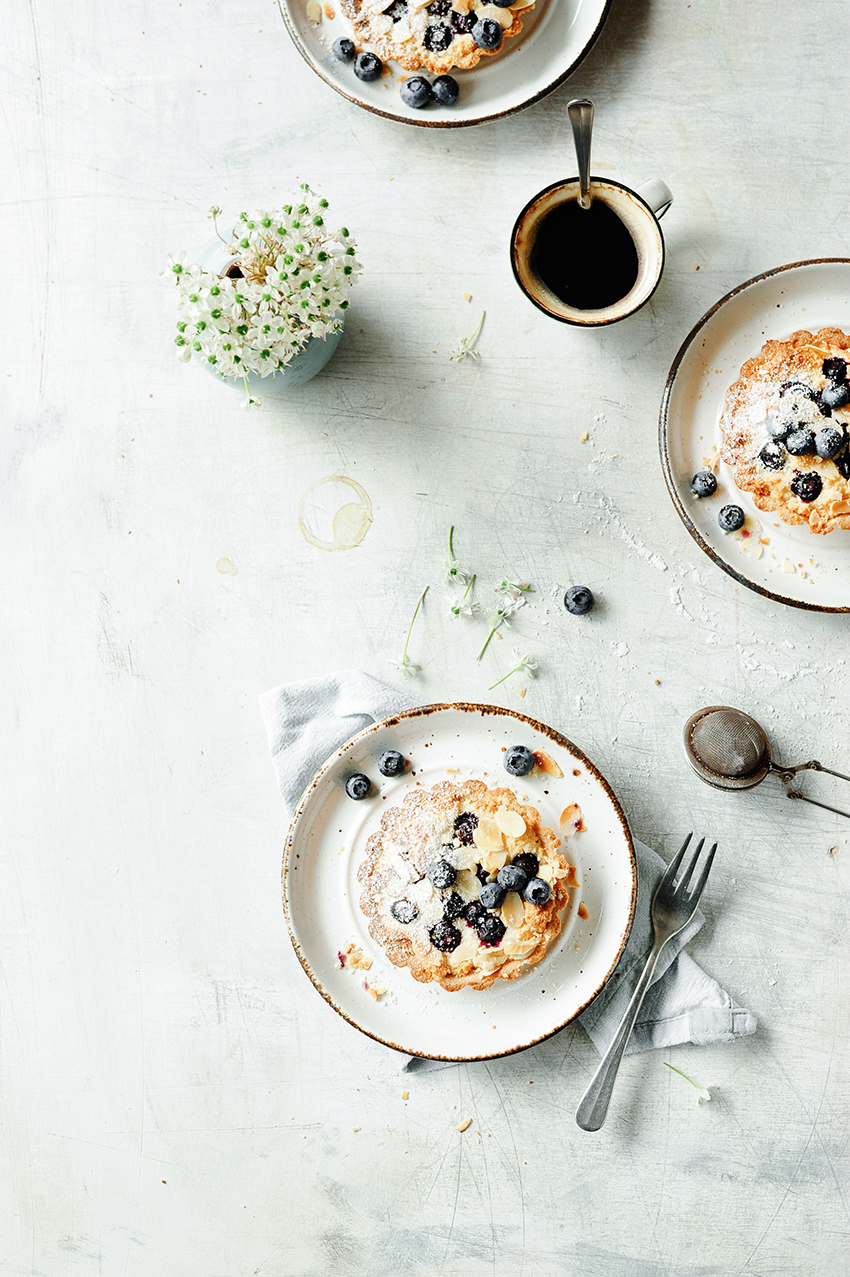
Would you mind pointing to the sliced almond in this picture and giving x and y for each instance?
(314, 12)
(492, 11)
(464, 1125)
(571, 818)
(513, 910)
(510, 822)
(519, 948)
(582, 911)
(487, 835)
(839, 507)
(493, 861)
(466, 882)
(572, 880)
(546, 763)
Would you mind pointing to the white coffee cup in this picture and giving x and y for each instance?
(639, 212)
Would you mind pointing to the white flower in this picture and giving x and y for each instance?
(524, 662)
(296, 278)
(465, 348)
(703, 1093)
(405, 665)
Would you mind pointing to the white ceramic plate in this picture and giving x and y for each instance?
(326, 845)
(556, 36)
(808, 295)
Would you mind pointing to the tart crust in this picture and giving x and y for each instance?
(755, 397)
(419, 832)
(402, 40)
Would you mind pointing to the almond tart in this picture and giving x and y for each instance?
(786, 429)
(432, 34)
(463, 885)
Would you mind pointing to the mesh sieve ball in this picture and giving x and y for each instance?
(726, 748)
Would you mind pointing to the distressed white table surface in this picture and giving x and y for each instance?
(175, 1097)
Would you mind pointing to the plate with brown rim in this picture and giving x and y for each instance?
(556, 36)
(785, 563)
(326, 844)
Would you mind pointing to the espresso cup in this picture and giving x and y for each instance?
(595, 272)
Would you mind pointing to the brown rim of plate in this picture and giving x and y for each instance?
(663, 437)
(446, 124)
(420, 712)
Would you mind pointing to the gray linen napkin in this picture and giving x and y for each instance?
(308, 721)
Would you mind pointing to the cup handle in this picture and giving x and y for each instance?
(657, 194)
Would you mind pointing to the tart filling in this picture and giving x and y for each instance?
(463, 885)
(435, 34)
(786, 429)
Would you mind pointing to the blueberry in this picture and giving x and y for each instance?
(445, 90)
(512, 878)
(800, 442)
(441, 874)
(730, 518)
(807, 487)
(391, 763)
(404, 911)
(492, 895)
(482, 874)
(519, 760)
(437, 37)
(474, 912)
(415, 92)
(367, 66)
(528, 863)
(835, 369)
(358, 786)
(343, 49)
(579, 600)
(445, 937)
(538, 891)
(842, 461)
(487, 34)
(779, 428)
(829, 441)
(502, 4)
(464, 826)
(797, 388)
(491, 930)
(453, 907)
(704, 484)
(836, 396)
(772, 455)
(462, 23)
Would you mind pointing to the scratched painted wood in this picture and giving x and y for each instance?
(175, 1098)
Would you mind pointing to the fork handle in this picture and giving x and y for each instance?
(593, 1108)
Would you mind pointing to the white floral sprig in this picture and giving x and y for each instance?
(464, 606)
(514, 587)
(703, 1095)
(501, 616)
(523, 662)
(466, 345)
(293, 284)
(404, 664)
(454, 573)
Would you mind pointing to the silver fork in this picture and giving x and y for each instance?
(672, 909)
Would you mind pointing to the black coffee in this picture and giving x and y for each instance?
(586, 256)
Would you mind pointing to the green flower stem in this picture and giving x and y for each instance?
(513, 671)
(496, 623)
(413, 618)
(695, 1085)
(469, 587)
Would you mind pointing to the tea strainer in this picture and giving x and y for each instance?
(729, 750)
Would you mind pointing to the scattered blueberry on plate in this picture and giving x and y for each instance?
(446, 90)
(358, 786)
(519, 760)
(731, 518)
(704, 484)
(367, 66)
(343, 49)
(391, 763)
(415, 92)
(579, 600)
